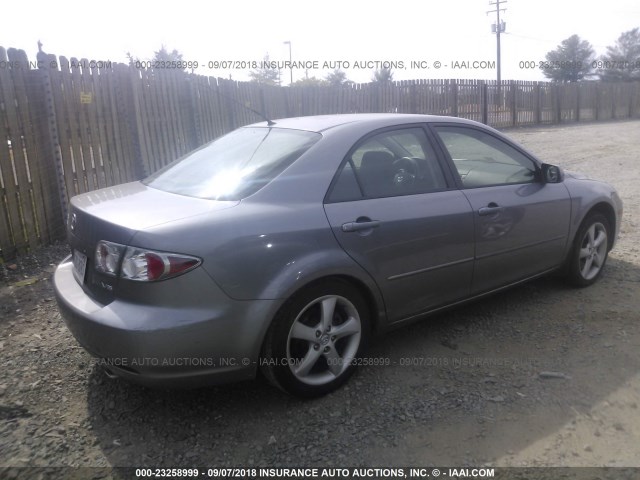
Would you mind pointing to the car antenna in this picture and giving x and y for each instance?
(261, 115)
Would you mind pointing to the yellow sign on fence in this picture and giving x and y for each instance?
(86, 97)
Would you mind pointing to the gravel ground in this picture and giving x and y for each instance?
(541, 375)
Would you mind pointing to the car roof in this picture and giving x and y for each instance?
(320, 123)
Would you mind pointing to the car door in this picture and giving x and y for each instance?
(395, 212)
(521, 223)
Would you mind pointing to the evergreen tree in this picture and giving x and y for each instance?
(265, 75)
(622, 60)
(571, 61)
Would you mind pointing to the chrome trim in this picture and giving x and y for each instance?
(520, 247)
(471, 299)
(428, 269)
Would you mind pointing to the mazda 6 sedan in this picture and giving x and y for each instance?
(282, 247)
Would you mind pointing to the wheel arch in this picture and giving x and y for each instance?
(584, 275)
(374, 302)
(350, 289)
(607, 210)
(376, 310)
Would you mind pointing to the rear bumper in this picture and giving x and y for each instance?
(192, 334)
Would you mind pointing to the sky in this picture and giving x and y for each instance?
(359, 34)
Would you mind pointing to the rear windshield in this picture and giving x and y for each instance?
(235, 165)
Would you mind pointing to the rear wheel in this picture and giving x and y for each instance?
(312, 344)
(590, 250)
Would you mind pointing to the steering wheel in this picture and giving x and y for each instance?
(406, 170)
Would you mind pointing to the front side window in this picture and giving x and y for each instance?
(482, 159)
(234, 166)
(391, 163)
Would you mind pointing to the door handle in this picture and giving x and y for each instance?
(359, 226)
(490, 209)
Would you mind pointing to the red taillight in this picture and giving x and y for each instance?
(155, 266)
(141, 265)
(177, 265)
(168, 265)
(149, 266)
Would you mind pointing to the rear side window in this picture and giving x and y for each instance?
(346, 186)
(236, 165)
(391, 163)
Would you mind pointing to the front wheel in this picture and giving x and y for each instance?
(590, 250)
(316, 337)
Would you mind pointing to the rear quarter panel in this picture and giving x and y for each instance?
(277, 240)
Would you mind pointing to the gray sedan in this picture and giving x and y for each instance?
(283, 246)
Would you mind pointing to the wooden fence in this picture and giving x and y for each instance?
(69, 126)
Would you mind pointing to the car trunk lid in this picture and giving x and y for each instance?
(115, 214)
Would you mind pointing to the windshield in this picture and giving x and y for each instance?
(235, 165)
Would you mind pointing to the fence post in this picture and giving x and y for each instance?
(132, 112)
(514, 102)
(578, 88)
(558, 105)
(231, 108)
(10, 223)
(263, 102)
(48, 62)
(196, 116)
(538, 103)
(484, 107)
(454, 88)
(414, 96)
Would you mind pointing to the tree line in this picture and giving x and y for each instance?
(575, 59)
(335, 78)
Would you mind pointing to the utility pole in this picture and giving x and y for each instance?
(498, 28)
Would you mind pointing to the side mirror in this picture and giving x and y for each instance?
(551, 174)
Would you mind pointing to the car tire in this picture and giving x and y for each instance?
(590, 250)
(313, 343)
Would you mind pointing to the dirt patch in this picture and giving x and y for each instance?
(540, 375)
